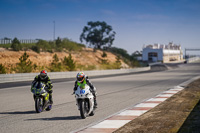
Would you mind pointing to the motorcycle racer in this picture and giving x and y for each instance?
(43, 77)
(81, 78)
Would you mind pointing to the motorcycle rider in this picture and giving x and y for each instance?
(81, 78)
(43, 77)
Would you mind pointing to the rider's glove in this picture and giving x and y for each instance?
(46, 88)
(50, 91)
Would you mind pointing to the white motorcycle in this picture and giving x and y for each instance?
(85, 101)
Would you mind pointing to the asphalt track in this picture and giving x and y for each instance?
(115, 93)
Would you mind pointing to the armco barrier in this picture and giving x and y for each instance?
(58, 75)
(193, 59)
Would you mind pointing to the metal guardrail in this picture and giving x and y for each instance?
(59, 75)
(193, 59)
(155, 63)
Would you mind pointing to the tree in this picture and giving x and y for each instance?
(69, 63)
(119, 51)
(58, 42)
(6, 38)
(16, 45)
(56, 66)
(98, 34)
(25, 65)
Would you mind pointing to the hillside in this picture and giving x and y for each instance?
(85, 57)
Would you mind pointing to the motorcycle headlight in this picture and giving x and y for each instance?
(43, 91)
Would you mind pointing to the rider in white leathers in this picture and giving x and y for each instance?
(81, 78)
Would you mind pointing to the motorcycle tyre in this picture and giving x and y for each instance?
(82, 109)
(38, 109)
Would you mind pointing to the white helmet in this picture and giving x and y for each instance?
(80, 77)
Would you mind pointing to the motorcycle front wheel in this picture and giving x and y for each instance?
(83, 111)
(38, 105)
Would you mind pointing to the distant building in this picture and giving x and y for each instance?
(163, 53)
(9, 41)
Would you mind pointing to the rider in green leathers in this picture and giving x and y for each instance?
(45, 79)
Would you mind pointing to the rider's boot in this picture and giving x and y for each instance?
(95, 98)
(50, 99)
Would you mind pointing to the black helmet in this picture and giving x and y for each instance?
(43, 74)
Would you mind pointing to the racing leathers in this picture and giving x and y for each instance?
(48, 84)
(92, 88)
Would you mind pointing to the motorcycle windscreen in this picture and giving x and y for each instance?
(82, 86)
(38, 85)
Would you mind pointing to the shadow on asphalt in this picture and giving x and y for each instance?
(57, 118)
(192, 123)
(19, 112)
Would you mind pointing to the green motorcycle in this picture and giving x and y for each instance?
(41, 97)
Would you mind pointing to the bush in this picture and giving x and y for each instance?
(36, 49)
(103, 60)
(128, 59)
(27, 46)
(118, 63)
(5, 46)
(25, 65)
(119, 51)
(2, 69)
(44, 45)
(69, 63)
(56, 66)
(71, 46)
(104, 54)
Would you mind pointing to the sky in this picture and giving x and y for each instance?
(136, 22)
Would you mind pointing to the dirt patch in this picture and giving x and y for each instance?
(85, 57)
(169, 116)
(192, 123)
